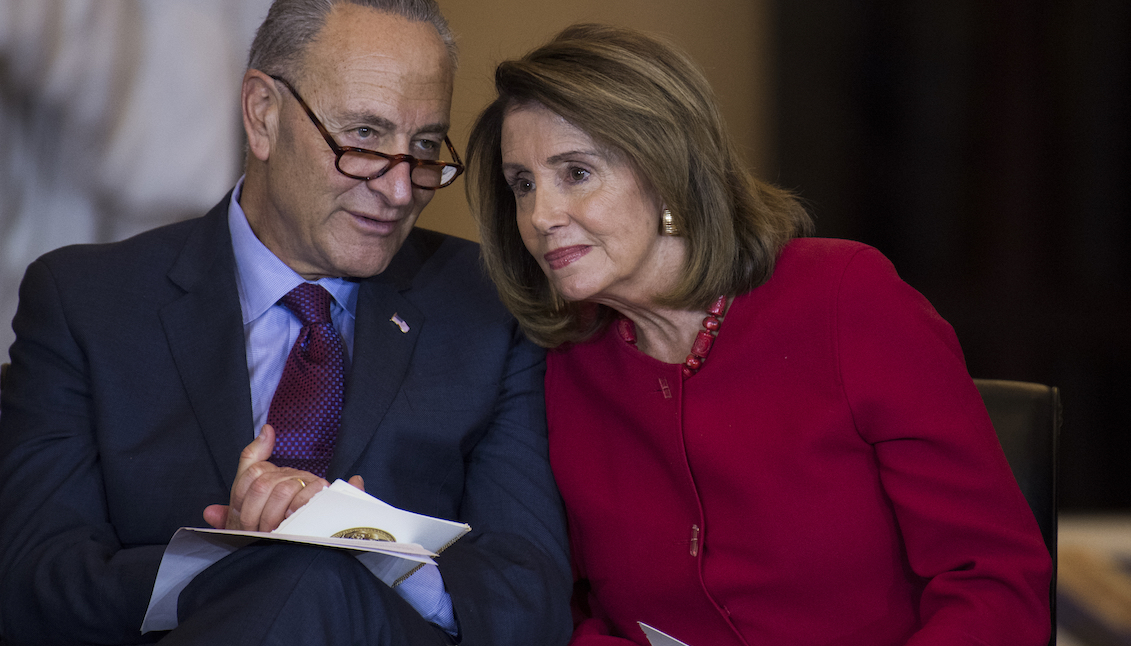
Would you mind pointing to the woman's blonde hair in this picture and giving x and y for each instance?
(648, 101)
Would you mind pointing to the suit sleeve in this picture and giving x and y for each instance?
(67, 578)
(509, 578)
(967, 529)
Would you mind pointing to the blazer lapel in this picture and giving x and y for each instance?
(385, 334)
(204, 328)
(381, 355)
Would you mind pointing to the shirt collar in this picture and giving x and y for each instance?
(262, 279)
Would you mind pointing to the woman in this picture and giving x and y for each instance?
(760, 438)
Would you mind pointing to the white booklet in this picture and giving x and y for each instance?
(657, 638)
(391, 542)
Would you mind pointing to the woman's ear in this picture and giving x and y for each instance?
(259, 100)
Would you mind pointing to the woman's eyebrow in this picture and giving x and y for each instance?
(569, 154)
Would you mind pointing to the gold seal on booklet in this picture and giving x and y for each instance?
(366, 534)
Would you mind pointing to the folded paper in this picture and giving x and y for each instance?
(340, 516)
(657, 638)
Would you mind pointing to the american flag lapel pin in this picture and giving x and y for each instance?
(399, 322)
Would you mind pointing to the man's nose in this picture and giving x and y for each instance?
(395, 184)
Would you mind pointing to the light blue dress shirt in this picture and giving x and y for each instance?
(270, 329)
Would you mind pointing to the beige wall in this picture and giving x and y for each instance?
(729, 38)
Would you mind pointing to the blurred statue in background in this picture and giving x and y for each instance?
(115, 116)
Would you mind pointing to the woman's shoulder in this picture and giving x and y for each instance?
(808, 259)
(823, 250)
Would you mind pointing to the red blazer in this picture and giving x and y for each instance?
(830, 476)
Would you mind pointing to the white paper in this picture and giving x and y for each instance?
(343, 506)
(332, 510)
(657, 638)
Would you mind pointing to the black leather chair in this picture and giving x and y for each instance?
(3, 372)
(1027, 419)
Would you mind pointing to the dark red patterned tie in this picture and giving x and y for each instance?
(307, 408)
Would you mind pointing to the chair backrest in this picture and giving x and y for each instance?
(3, 373)
(1027, 419)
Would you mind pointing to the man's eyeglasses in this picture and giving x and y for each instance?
(359, 163)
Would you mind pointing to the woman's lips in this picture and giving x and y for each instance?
(559, 258)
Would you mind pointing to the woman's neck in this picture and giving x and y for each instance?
(664, 334)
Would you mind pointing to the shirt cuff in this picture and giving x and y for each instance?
(425, 592)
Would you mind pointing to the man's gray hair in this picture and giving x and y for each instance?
(291, 25)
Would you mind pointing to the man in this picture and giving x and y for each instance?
(143, 371)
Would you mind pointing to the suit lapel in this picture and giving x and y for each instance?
(382, 351)
(204, 328)
(380, 361)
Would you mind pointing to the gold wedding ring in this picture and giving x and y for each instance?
(301, 482)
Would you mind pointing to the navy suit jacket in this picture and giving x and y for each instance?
(128, 402)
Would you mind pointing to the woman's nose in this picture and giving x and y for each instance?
(550, 211)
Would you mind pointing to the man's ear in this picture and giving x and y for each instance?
(259, 100)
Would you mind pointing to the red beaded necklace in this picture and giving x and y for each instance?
(702, 345)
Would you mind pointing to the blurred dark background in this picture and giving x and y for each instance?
(984, 148)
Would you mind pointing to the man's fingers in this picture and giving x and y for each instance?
(309, 488)
(253, 454)
(357, 482)
(285, 498)
(275, 495)
(263, 493)
(258, 451)
(216, 516)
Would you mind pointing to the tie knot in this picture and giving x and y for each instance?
(309, 302)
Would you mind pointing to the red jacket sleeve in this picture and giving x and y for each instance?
(965, 524)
